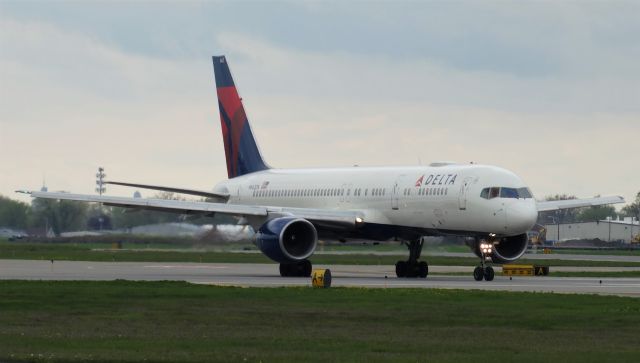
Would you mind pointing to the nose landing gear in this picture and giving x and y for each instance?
(484, 271)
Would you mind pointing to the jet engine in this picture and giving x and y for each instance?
(287, 239)
(505, 249)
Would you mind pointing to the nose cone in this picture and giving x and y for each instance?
(521, 216)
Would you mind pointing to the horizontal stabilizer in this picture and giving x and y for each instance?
(201, 193)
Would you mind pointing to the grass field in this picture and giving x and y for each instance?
(82, 252)
(172, 322)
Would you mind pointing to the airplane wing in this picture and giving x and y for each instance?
(325, 217)
(577, 203)
(202, 193)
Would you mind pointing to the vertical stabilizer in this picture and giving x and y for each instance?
(241, 150)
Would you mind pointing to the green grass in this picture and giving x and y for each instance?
(82, 252)
(172, 322)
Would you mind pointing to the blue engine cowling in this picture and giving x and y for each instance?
(287, 239)
(505, 250)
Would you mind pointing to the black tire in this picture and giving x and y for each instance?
(401, 269)
(478, 274)
(488, 273)
(285, 270)
(423, 269)
(305, 268)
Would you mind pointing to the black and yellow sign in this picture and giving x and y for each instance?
(321, 278)
(525, 270)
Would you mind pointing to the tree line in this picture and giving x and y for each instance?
(60, 216)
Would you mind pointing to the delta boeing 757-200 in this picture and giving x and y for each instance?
(290, 209)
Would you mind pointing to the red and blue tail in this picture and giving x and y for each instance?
(240, 146)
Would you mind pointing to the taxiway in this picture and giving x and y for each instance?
(266, 275)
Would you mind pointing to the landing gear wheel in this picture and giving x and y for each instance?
(296, 269)
(285, 269)
(413, 267)
(305, 268)
(488, 273)
(478, 273)
(423, 269)
(401, 269)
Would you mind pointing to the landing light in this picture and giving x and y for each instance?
(359, 220)
(486, 248)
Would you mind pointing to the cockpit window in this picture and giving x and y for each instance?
(508, 192)
(524, 193)
(504, 192)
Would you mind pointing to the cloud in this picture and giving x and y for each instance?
(72, 101)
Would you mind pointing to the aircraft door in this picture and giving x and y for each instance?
(395, 194)
(462, 196)
(345, 197)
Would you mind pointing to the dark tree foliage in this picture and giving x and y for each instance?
(13, 213)
(633, 209)
(559, 216)
(59, 215)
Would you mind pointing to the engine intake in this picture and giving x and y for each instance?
(287, 239)
(505, 249)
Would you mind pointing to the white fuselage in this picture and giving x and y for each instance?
(438, 199)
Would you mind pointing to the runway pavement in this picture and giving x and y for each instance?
(266, 275)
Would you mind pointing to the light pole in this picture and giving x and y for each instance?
(100, 188)
(100, 175)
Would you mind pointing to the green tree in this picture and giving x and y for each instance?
(131, 217)
(13, 213)
(596, 213)
(59, 215)
(632, 209)
(558, 216)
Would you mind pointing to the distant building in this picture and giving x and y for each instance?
(605, 230)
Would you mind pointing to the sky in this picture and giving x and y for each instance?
(549, 90)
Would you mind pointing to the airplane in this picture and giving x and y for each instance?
(291, 209)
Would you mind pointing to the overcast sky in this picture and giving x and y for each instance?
(549, 90)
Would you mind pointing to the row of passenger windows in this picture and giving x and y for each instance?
(504, 192)
(428, 191)
(324, 192)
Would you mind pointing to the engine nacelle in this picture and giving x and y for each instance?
(287, 239)
(505, 249)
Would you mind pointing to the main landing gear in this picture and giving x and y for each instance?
(296, 269)
(484, 271)
(412, 267)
